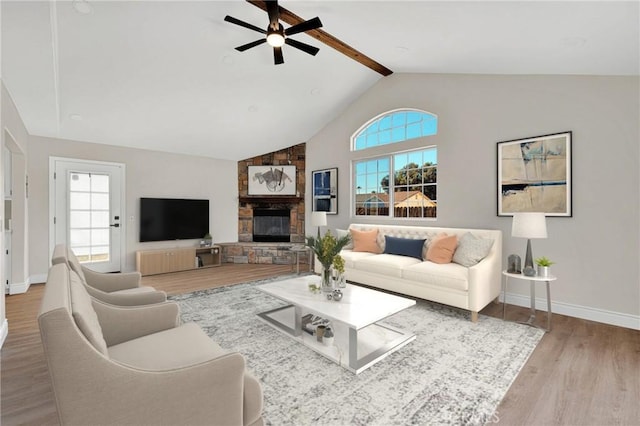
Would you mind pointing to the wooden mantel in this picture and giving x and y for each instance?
(270, 199)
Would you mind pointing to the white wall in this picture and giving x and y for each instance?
(148, 174)
(14, 136)
(597, 250)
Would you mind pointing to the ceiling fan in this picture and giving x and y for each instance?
(276, 34)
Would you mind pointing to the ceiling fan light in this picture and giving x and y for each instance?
(275, 39)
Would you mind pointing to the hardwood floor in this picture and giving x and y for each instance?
(581, 373)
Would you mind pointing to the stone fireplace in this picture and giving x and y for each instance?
(266, 240)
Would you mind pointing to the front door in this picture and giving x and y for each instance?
(87, 216)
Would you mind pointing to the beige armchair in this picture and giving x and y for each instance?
(129, 365)
(121, 289)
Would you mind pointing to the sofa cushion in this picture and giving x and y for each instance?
(449, 275)
(351, 257)
(441, 248)
(403, 246)
(169, 349)
(136, 290)
(84, 315)
(365, 240)
(471, 249)
(386, 264)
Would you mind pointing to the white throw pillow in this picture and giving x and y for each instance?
(471, 250)
(344, 232)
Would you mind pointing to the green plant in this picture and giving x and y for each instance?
(543, 261)
(207, 236)
(327, 247)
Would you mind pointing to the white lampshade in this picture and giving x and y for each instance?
(318, 218)
(529, 225)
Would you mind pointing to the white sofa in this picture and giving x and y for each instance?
(470, 288)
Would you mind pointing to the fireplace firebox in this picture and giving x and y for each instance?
(271, 225)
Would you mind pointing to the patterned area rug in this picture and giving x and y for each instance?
(455, 372)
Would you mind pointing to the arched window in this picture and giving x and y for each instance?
(395, 126)
(400, 182)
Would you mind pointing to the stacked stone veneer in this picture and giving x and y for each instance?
(247, 251)
(265, 253)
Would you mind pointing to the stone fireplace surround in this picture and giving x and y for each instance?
(248, 251)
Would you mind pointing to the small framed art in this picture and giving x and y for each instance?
(325, 190)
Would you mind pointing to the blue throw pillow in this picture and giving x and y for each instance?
(403, 246)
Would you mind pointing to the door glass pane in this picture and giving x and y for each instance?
(89, 231)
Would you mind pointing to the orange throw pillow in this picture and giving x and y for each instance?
(365, 240)
(441, 248)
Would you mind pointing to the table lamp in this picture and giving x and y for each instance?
(318, 219)
(529, 225)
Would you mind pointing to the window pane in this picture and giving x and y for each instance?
(100, 183)
(100, 219)
(397, 134)
(79, 201)
(79, 219)
(395, 127)
(79, 182)
(79, 237)
(100, 201)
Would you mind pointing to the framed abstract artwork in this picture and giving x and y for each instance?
(325, 191)
(534, 175)
(272, 180)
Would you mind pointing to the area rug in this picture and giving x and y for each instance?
(455, 372)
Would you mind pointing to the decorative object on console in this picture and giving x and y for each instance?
(325, 191)
(529, 225)
(534, 175)
(318, 219)
(272, 180)
(544, 265)
(326, 249)
(514, 264)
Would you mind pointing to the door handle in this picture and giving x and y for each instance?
(115, 225)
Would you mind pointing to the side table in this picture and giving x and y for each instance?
(532, 283)
(297, 251)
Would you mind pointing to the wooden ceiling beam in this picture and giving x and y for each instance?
(326, 38)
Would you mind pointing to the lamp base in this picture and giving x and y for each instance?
(528, 269)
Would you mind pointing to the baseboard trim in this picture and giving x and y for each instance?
(4, 332)
(578, 311)
(38, 279)
(19, 288)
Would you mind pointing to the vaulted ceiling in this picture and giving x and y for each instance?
(164, 75)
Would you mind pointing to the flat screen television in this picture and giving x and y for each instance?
(164, 219)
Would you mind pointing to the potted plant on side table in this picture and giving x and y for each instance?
(544, 265)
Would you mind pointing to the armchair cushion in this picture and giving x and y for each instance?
(167, 350)
(84, 315)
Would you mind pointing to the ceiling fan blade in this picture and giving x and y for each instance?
(250, 45)
(311, 50)
(244, 24)
(277, 56)
(274, 13)
(311, 24)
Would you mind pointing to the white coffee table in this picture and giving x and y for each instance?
(360, 339)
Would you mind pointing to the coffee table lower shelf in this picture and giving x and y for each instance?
(355, 350)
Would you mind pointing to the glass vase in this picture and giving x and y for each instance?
(327, 280)
(339, 280)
